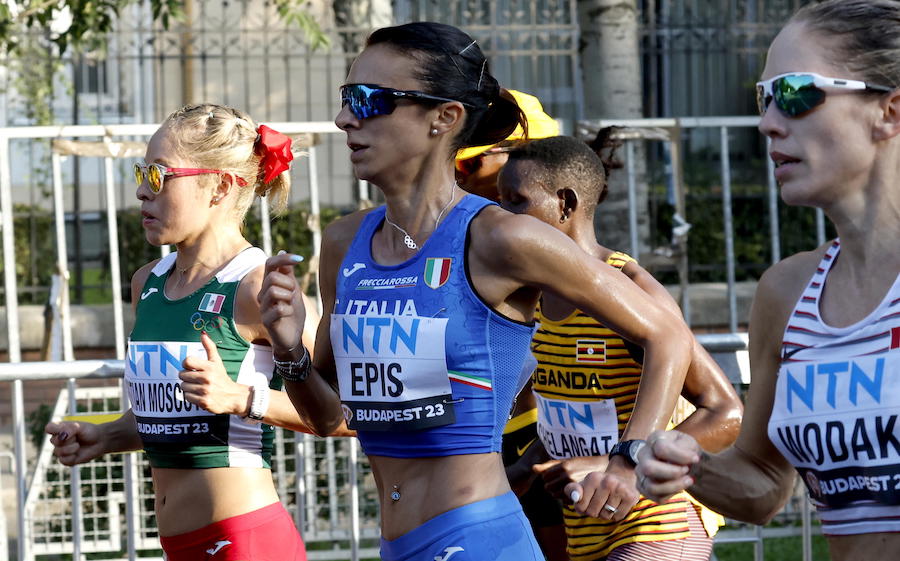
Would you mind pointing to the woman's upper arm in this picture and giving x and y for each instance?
(651, 286)
(247, 316)
(311, 325)
(776, 294)
(527, 252)
(336, 241)
(705, 385)
(323, 356)
(519, 250)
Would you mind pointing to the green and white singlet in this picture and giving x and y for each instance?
(176, 433)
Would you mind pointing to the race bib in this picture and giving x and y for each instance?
(392, 371)
(838, 423)
(571, 429)
(154, 389)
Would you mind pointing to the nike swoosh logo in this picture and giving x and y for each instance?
(449, 551)
(148, 293)
(520, 451)
(356, 267)
(219, 545)
(788, 354)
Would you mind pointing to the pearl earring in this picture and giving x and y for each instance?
(434, 132)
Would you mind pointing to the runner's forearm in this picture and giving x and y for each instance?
(737, 486)
(714, 430)
(121, 435)
(317, 403)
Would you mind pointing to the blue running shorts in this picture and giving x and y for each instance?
(493, 529)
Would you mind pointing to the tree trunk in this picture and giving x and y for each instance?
(355, 19)
(610, 58)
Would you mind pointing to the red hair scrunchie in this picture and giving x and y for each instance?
(275, 149)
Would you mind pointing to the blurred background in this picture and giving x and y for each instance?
(695, 202)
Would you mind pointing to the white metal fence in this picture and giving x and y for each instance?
(107, 505)
(324, 481)
(674, 134)
(108, 134)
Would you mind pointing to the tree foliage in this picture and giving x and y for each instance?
(85, 24)
(294, 12)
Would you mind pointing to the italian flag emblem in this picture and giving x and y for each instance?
(437, 271)
(211, 303)
(469, 380)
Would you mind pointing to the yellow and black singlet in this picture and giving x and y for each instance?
(585, 384)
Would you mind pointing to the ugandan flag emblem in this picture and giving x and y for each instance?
(437, 271)
(590, 350)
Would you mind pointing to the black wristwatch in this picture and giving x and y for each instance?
(628, 449)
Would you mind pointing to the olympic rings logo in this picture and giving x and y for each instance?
(200, 323)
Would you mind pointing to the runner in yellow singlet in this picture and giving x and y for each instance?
(587, 378)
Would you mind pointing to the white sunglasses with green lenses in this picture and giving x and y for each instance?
(797, 93)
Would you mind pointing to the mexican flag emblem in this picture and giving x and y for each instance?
(437, 271)
(211, 303)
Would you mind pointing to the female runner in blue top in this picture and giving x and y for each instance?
(428, 308)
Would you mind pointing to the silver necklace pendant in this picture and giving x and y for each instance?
(411, 243)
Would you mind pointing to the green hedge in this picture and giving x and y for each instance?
(750, 220)
(35, 245)
(36, 253)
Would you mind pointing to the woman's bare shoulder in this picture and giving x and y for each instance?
(336, 240)
(777, 293)
(341, 232)
(139, 278)
(497, 230)
(784, 282)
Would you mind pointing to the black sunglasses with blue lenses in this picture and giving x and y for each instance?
(366, 100)
(797, 93)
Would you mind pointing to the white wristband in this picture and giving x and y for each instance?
(259, 403)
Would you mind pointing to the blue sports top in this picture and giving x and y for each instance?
(425, 367)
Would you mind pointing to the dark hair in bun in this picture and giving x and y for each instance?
(452, 65)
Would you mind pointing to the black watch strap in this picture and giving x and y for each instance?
(628, 449)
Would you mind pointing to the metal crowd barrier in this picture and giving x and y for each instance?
(109, 134)
(668, 131)
(330, 506)
(325, 483)
(671, 132)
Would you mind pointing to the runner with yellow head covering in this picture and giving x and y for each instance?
(477, 167)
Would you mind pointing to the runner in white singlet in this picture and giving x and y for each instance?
(825, 325)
